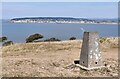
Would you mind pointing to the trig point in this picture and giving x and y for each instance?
(90, 57)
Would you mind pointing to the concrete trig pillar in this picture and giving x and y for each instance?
(90, 57)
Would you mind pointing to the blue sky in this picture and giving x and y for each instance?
(60, 0)
(67, 9)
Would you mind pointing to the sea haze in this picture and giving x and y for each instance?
(18, 32)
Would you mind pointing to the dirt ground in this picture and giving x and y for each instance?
(55, 59)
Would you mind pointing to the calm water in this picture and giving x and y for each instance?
(17, 32)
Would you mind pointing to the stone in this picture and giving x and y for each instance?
(90, 57)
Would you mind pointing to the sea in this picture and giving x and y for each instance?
(18, 32)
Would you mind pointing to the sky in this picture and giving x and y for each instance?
(60, 9)
(60, 0)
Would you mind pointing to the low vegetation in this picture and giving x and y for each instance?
(72, 38)
(7, 43)
(109, 42)
(104, 40)
(52, 39)
(55, 59)
(33, 37)
(2, 39)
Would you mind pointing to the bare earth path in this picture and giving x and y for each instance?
(54, 59)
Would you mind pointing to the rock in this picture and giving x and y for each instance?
(109, 70)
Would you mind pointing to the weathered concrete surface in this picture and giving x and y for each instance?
(90, 57)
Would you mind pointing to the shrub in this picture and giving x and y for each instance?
(33, 37)
(72, 38)
(103, 40)
(7, 43)
(52, 39)
(2, 39)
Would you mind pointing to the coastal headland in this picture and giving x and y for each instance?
(60, 20)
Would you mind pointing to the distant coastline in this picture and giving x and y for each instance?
(61, 20)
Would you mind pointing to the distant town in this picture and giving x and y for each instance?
(60, 20)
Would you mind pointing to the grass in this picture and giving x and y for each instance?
(48, 59)
(38, 47)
